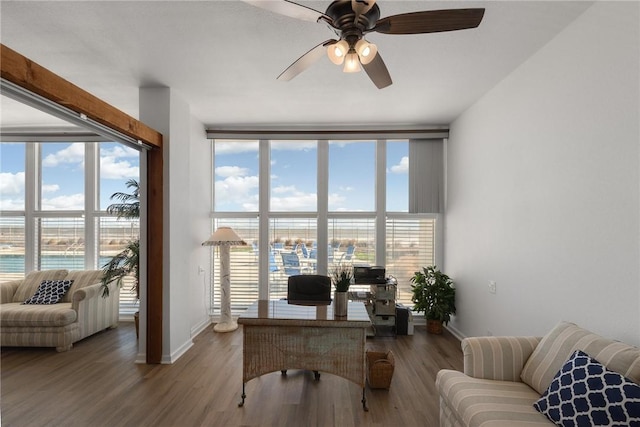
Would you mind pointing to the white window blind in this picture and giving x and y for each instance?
(243, 266)
(114, 235)
(410, 246)
(11, 248)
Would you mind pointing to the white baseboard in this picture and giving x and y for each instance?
(456, 333)
(195, 330)
(168, 360)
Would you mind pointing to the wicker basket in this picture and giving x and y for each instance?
(434, 327)
(380, 367)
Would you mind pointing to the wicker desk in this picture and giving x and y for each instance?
(278, 336)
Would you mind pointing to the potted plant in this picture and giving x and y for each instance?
(435, 295)
(125, 263)
(341, 277)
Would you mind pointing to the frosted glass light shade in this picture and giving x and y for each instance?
(351, 63)
(338, 51)
(366, 51)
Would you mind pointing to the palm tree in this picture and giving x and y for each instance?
(129, 206)
(125, 263)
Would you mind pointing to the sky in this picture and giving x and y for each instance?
(293, 175)
(63, 174)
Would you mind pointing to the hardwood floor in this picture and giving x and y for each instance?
(97, 383)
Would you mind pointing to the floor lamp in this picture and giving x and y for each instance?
(225, 237)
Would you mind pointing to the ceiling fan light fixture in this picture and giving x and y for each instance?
(338, 51)
(366, 51)
(351, 62)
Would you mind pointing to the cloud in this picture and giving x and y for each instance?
(237, 190)
(229, 171)
(74, 153)
(345, 143)
(234, 147)
(282, 189)
(119, 151)
(110, 168)
(7, 204)
(113, 163)
(335, 200)
(402, 167)
(293, 145)
(348, 188)
(297, 202)
(71, 202)
(11, 183)
(289, 198)
(50, 188)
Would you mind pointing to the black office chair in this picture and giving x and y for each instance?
(309, 289)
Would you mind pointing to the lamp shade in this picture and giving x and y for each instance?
(224, 236)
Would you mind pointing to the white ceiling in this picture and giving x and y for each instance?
(223, 57)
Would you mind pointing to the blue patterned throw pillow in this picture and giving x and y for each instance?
(585, 393)
(50, 292)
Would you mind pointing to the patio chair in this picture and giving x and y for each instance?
(290, 263)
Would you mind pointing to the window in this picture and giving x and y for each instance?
(59, 220)
(12, 176)
(62, 186)
(243, 263)
(293, 176)
(397, 176)
(12, 247)
(118, 164)
(410, 246)
(236, 176)
(329, 202)
(352, 176)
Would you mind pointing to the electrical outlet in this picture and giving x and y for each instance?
(492, 287)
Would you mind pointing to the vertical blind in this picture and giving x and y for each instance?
(426, 176)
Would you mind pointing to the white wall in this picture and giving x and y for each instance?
(544, 188)
(186, 173)
(199, 230)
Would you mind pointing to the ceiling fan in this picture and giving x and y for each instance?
(351, 20)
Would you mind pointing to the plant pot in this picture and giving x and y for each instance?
(434, 327)
(340, 302)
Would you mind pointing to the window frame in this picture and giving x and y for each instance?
(322, 214)
(90, 214)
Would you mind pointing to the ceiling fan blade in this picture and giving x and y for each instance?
(430, 21)
(291, 9)
(377, 72)
(305, 61)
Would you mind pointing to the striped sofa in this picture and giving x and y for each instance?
(81, 312)
(504, 376)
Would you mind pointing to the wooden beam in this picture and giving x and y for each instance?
(154, 255)
(27, 74)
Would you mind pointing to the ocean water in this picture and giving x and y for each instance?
(14, 263)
